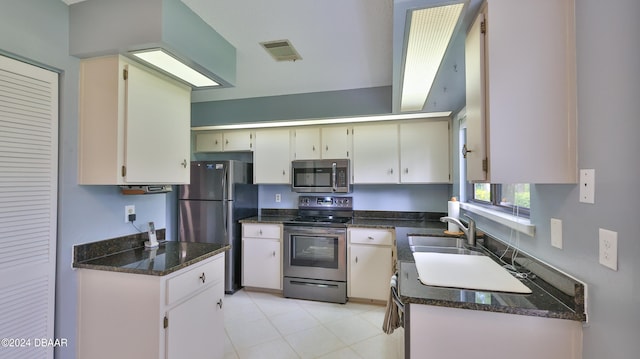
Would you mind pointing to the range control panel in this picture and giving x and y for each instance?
(325, 202)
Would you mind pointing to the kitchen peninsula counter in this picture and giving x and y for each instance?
(128, 255)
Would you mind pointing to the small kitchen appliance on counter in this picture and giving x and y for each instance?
(315, 246)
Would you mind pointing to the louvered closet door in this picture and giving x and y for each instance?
(28, 201)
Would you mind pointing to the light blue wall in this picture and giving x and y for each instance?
(608, 91)
(414, 197)
(357, 102)
(37, 30)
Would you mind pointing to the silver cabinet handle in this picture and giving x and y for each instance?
(219, 304)
(260, 232)
(313, 148)
(184, 163)
(274, 253)
(356, 259)
(203, 278)
(406, 170)
(370, 238)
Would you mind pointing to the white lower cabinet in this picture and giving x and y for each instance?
(180, 315)
(262, 255)
(370, 262)
(436, 332)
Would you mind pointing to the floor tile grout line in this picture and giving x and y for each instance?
(254, 299)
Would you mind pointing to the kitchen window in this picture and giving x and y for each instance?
(509, 198)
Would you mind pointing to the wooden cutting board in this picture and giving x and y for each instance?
(465, 271)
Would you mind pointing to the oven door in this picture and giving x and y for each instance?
(315, 253)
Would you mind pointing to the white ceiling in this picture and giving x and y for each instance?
(344, 44)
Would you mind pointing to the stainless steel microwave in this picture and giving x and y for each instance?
(321, 176)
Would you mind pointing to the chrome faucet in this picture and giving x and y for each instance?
(469, 232)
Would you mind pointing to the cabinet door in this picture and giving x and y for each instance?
(195, 328)
(306, 143)
(424, 152)
(209, 141)
(369, 271)
(375, 154)
(475, 146)
(271, 161)
(336, 142)
(261, 262)
(238, 140)
(157, 129)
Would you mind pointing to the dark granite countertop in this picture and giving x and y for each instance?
(554, 295)
(128, 255)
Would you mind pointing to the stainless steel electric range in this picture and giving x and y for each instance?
(315, 247)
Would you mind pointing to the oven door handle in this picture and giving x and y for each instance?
(334, 175)
(314, 284)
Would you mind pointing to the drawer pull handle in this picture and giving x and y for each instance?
(274, 253)
(203, 278)
(261, 232)
(371, 238)
(219, 303)
(356, 259)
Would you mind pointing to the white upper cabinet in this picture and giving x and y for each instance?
(134, 124)
(209, 141)
(375, 153)
(219, 141)
(425, 152)
(521, 93)
(330, 142)
(336, 141)
(271, 156)
(238, 140)
(306, 143)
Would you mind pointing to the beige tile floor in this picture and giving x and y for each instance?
(266, 325)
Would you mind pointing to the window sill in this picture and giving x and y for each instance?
(519, 224)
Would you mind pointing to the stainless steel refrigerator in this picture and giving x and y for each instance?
(220, 194)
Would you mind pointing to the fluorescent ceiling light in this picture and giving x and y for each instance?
(167, 63)
(429, 35)
(326, 121)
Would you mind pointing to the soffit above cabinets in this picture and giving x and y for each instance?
(99, 27)
(344, 45)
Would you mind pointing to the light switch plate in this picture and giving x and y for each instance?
(587, 186)
(556, 233)
(608, 256)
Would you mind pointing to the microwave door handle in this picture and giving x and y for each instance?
(334, 171)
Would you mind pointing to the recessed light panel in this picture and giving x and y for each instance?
(429, 36)
(167, 63)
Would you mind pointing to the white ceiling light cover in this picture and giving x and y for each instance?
(167, 63)
(429, 36)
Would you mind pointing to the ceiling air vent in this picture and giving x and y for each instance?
(281, 50)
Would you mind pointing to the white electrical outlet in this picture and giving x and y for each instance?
(608, 248)
(587, 186)
(278, 198)
(130, 209)
(556, 233)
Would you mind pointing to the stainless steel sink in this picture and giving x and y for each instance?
(450, 250)
(434, 244)
(433, 241)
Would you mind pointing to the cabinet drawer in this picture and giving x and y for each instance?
(195, 279)
(260, 230)
(371, 236)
